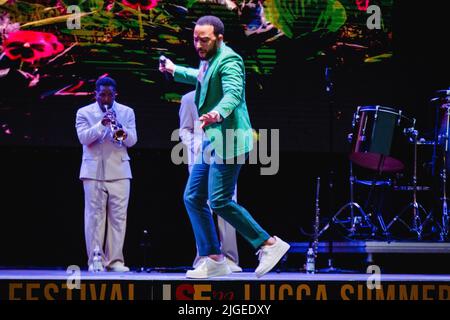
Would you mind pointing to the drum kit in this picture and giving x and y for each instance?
(384, 143)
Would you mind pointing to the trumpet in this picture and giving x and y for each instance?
(118, 133)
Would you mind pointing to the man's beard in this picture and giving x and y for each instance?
(211, 53)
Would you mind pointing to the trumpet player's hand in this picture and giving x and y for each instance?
(166, 65)
(106, 121)
(210, 118)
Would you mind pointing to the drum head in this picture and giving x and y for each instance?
(410, 122)
(376, 161)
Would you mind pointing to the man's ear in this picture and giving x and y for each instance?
(220, 37)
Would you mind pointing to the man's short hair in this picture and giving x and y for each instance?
(212, 21)
(105, 81)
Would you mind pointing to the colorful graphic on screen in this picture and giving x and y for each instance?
(52, 52)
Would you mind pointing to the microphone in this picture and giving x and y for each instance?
(162, 61)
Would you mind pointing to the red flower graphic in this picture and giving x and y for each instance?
(30, 46)
(144, 4)
(362, 4)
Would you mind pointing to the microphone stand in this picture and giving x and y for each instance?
(329, 89)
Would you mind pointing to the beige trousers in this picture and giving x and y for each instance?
(105, 209)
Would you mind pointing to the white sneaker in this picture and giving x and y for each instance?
(233, 265)
(91, 268)
(198, 261)
(209, 268)
(117, 267)
(270, 255)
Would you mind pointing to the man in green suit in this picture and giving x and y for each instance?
(220, 98)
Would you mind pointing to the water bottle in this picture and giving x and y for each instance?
(310, 261)
(97, 260)
(145, 246)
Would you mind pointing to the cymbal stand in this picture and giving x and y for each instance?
(445, 218)
(376, 204)
(351, 205)
(417, 224)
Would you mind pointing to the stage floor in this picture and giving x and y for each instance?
(28, 284)
(27, 274)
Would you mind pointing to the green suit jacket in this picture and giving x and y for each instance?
(223, 90)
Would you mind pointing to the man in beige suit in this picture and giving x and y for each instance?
(106, 129)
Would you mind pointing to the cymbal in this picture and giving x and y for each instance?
(441, 96)
(445, 92)
(441, 99)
